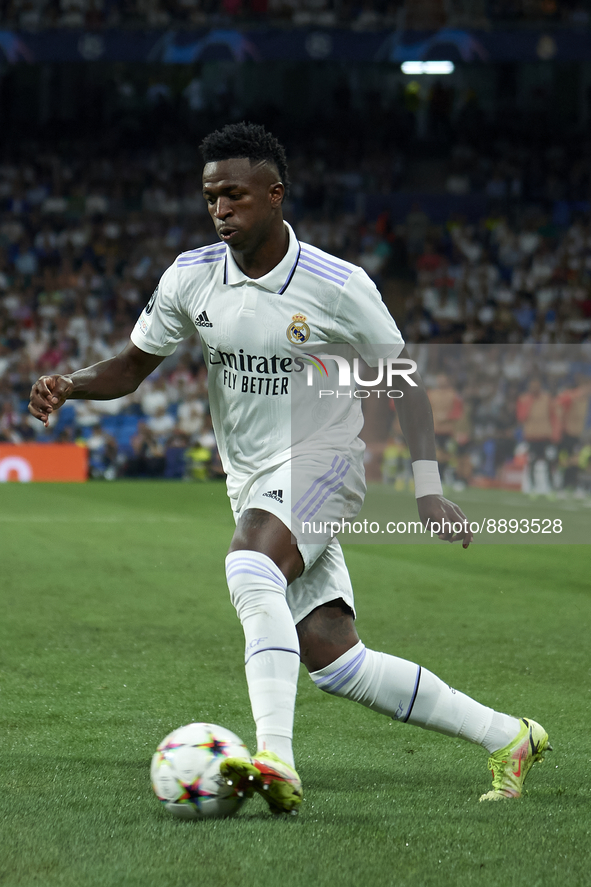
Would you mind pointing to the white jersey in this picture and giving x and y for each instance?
(252, 333)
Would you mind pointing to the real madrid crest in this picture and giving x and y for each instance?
(298, 331)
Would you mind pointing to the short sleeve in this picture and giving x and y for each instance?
(162, 325)
(363, 320)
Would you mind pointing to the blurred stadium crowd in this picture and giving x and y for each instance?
(515, 416)
(83, 244)
(489, 243)
(360, 14)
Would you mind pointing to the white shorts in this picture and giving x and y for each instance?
(325, 490)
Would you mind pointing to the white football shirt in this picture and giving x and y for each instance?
(252, 332)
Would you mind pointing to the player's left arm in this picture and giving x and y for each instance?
(360, 298)
(416, 421)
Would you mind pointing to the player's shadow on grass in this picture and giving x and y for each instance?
(415, 777)
(246, 815)
(107, 761)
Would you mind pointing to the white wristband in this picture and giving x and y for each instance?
(427, 480)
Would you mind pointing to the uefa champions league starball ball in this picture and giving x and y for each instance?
(186, 774)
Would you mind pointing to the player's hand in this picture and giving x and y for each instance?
(436, 511)
(48, 394)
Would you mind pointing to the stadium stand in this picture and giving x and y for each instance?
(79, 261)
(475, 224)
(370, 14)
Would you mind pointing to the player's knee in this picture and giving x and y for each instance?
(316, 655)
(251, 577)
(259, 531)
(325, 635)
(342, 675)
(330, 623)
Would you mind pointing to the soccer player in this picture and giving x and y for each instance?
(254, 298)
(536, 410)
(448, 410)
(573, 410)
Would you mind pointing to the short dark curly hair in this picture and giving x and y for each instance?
(247, 140)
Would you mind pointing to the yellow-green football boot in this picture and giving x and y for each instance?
(267, 774)
(510, 765)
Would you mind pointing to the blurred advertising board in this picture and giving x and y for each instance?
(43, 462)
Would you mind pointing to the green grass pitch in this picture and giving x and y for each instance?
(115, 628)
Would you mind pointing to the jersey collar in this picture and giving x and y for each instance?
(278, 279)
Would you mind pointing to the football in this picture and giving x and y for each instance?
(186, 775)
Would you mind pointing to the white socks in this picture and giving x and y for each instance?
(402, 690)
(272, 657)
(406, 692)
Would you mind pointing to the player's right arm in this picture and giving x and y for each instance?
(106, 380)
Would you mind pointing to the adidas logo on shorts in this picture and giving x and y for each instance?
(203, 320)
(275, 494)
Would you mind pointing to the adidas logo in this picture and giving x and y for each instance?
(275, 494)
(203, 320)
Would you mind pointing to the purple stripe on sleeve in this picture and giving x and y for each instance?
(197, 256)
(317, 268)
(209, 261)
(192, 257)
(203, 250)
(320, 273)
(334, 268)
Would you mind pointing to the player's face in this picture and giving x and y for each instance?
(243, 200)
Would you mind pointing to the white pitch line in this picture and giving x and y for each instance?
(47, 519)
